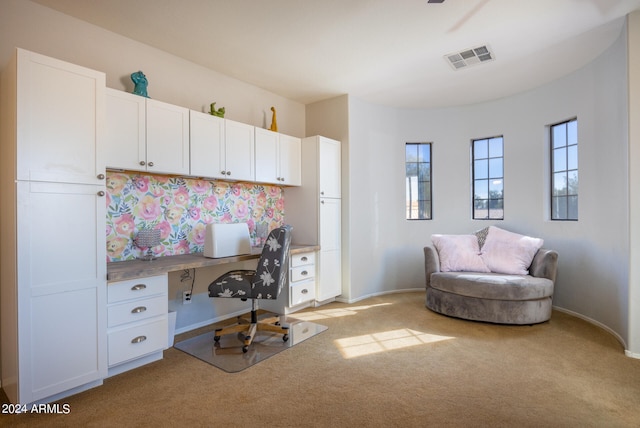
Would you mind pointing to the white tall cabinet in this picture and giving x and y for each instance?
(314, 211)
(52, 235)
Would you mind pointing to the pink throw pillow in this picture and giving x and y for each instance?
(459, 253)
(508, 252)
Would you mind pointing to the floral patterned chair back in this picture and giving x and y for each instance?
(272, 269)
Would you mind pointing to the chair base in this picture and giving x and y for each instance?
(249, 329)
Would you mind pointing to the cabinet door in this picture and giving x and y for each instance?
(329, 283)
(206, 145)
(330, 230)
(60, 120)
(289, 156)
(61, 273)
(239, 151)
(267, 156)
(329, 168)
(167, 138)
(125, 133)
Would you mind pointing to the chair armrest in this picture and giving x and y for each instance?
(431, 263)
(544, 264)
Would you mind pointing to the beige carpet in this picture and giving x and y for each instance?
(384, 362)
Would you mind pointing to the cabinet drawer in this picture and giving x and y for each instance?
(301, 273)
(302, 292)
(136, 310)
(134, 342)
(136, 288)
(303, 259)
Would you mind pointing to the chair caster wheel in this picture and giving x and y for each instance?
(216, 339)
(285, 337)
(245, 348)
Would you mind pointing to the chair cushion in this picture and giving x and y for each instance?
(492, 286)
(236, 284)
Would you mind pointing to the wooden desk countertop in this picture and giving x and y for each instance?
(130, 269)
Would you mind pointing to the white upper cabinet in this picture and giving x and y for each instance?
(329, 168)
(207, 145)
(238, 151)
(126, 134)
(221, 148)
(66, 102)
(267, 156)
(277, 158)
(146, 135)
(289, 160)
(167, 138)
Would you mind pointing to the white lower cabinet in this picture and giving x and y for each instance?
(137, 322)
(300, 292)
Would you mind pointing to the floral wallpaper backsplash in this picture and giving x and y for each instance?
(181, 208)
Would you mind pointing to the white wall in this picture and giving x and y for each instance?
(386, 252)
(171, 79)
(633, 49)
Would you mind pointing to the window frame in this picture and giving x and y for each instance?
(489, 177)
(567, 170)
(429, 189)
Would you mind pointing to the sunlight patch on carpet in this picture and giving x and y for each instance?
(335, 313)
(358, 346)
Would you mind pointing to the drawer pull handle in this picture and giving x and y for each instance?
(304, 259)
(138, 287)
(138, 309)
(138, 339)
(304, 273)
(304, 291)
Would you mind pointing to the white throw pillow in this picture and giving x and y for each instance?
(508, 252)
(459, 253)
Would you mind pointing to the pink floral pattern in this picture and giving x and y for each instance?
(181, 208)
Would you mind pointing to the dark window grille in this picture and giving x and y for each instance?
(564, 170)
(488, 179)
(418, 181)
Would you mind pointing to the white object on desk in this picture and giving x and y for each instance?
(225, 240)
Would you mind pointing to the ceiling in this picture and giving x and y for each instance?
(385, 52)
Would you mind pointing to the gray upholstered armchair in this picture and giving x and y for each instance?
(263, 283)
(493, 297)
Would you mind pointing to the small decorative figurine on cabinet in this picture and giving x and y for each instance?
(140, 84)
(219, 112)
(274, 123)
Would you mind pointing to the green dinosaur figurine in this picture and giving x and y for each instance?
(219, 112)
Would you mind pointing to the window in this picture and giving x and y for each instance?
(564, 171)
(418, 179)
(488, 179)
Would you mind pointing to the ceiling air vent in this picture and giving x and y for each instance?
(469, 57)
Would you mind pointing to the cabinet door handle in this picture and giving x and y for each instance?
(138, 287)
(322, 193)
(304, 259)
(150, 163)
(100, 176)
(138, 310)
(142, 163)
(101, 193)
(138, 339)
(304, 291)
(322, 202)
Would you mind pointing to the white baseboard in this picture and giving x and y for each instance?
(602, 326)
